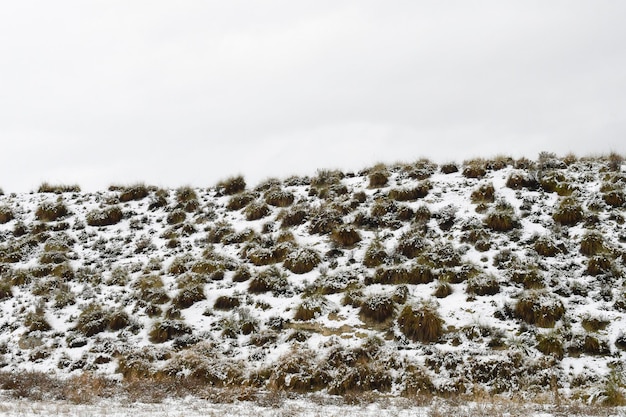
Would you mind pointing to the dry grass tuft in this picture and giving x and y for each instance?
(592, 243)
(569, 212)
(377, 308)
(6, 214)
(257, 210)
(302, 260)
(48, 211)
(421, 323)
(105, 217)
(539, 308)
(410, 194)
(345, 236)
(232, 185)
(378, 178)
(58, 188)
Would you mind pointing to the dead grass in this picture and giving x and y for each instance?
(421, 323)
(232, 185)
(105, 217)
(58, 188)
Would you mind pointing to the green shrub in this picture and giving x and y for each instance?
(58, 188)
(421, 323)
(6, 214)
(539, 308)
(48, 211)
(302, 260)
(232, 185)
(105, 217)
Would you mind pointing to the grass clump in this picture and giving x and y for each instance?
(592, 243)
(225, 302)
(271, 279)
(377, 308)
(569, 212)
(48, 211)
(502, 218)
(164, 330)
(474, 168)
(310, 308)
(545, 246)
(278, 197)
(484, 284)
(188, 296)
(421, 323)
(551, 344)
(241, 200)
(6, 214)
(135, 192)
(345, 236)
(378, 178)
(449, 168)
(232, 185)
(256, 210)
(540, 308)
(375, 254)
(485, 193)
(410, 194)
(302, 260)
(58, 188)
(105, 217)
(294, 217)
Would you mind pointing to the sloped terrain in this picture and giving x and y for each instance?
(498, 276)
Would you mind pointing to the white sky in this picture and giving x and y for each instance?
(190, 92)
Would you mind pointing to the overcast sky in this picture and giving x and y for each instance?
(190, 92)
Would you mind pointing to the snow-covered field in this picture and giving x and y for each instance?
(500, 277)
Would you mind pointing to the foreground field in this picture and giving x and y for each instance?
(321, 406)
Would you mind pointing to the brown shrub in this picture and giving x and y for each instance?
(241, 274)
(614, 198)
(411, 244)
(421, 323)
(539, 308)
(519, 180)
(410, 194)
(484, 284)
(416, 274)
(302, 260)
(345, 236)
(449, 168)
(569, 212)
(551, 344)
(599, 264)
(474, 168)
(256, 210)
(6, 214)
(164, 330)
(271, 279)
(294, 217)
(188, 296)
(224, 302)
(485, 193)
(375, 255)
(443, 289)
(377, 308)
(176, 216)
(185, 194)
(134, 192)
(501, 221)
(591, 243)
(309, 308)
(105, 217)
(530, 278)
(325, 222)
(378, 179)
(545, 246)
(92, 320)
(58, 188)
(48, 211)
(232, 185)
(239, 201)
(278, 197)
(594, 324)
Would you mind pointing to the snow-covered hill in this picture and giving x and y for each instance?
(491, 276)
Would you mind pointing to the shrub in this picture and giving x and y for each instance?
(591, 244)
(551, 344)
(278, 197)
(176, 216)
(185, 195)
(310, 308)
(502, 219)
(302, 260)
(48, 211)
(232, 185)
(474, 169)
(92, 320)
(239, 201)
(614, 198)
(188, 296)
(594, 324)
(271, 279)
(345, 236)
(325, 221)
(569, 212)
(485, 193)
(241, 274)
(539, 308)
(598, 265)
(134, 192)
(449, 168)
(256, 210)
(326, 178)
(529, 278)
(545, 246)
(410, 194)
(519, 180)
(105, 217)
(484, 284)
(411, 244)
(294, 217)
(421, 323)
(164, 330)
(5, 289)
(375, 255)
(36, 321)
(377, 308)
(443, 289)
(150, 289)
(6, 214)
(378, 179)
(416, 274)
(224, 302)
(58, 188)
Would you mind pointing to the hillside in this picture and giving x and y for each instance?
(496, 276)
